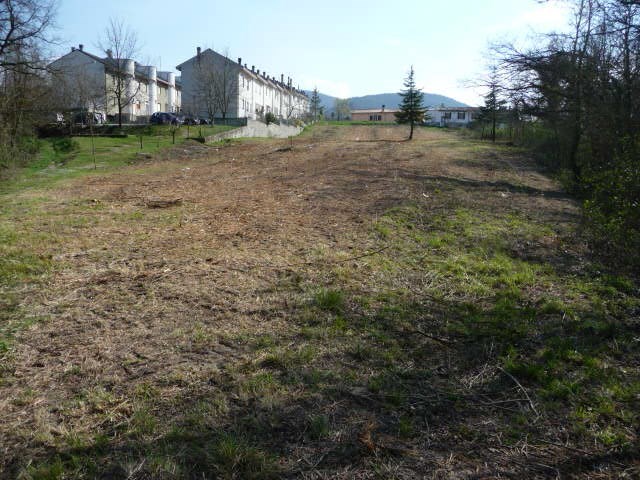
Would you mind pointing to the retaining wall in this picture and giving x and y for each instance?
(256, 129)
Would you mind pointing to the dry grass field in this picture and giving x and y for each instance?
(346, 305)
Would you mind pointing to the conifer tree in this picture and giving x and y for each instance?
(493, 103)
(411, 108)
(315, 104)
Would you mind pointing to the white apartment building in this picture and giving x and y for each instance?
(244, 92)
(84, 80)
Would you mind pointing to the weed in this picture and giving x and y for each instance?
(234, 458)
(330, 300)
(318, 426)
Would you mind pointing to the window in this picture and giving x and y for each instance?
(446, 115)
(379, 118)
(371, 118)
(461, 115)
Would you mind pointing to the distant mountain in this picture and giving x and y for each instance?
(389, 100)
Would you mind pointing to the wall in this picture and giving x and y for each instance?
(257, 129)
(387, 116)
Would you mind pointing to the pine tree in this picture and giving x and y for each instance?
(493, 103)
(411, 109)
(315, 104)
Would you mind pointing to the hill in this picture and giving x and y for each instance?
(390, 100)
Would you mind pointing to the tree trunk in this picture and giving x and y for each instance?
(493, 128)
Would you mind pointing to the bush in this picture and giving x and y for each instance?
(271, 118)
(612, 208)
(18, 155)
(65, 145)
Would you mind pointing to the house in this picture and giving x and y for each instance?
(86, 81)
(374, 115)
(451, 116)
(215, 86)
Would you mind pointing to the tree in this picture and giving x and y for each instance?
(411, 108)
(342, 108)
(315, 104)
(583, 90)
(493, 103)
(206, 91)
(120, 44)
(24, 35)
(225, 85)
(24, 26)
(294, 106)
(216, 83)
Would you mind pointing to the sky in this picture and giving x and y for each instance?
(345, 48)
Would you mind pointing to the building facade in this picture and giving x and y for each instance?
(451, 116)
(374, 115)
(85, 81)
(214, 86)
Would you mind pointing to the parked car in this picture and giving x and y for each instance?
(163, 118)
(203, 121)
(88, 118)
(189, 120)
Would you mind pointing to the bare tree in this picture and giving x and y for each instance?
(216, 83)
(226, 86)
(294, 107)
(24, 25)
(24, 34)
(206, 92)
(120, 44)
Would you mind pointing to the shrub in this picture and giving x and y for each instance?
(65, 145)
(612, 207)
(271, 118)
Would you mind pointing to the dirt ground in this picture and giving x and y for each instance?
(151, 312)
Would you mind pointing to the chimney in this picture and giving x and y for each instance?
(383, 108)
(282, 78)
(245, 65)
(258, 71)
(239, 60)
(73, 49)
(253, 68)
(110, 53)
(81, 47)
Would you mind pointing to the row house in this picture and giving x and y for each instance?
(86, 81)
(215, 86)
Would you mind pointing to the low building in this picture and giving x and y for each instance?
(451, 116)
(374, 115)
(82, 80)
(215, 86)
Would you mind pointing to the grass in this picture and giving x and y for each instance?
(297, 323)
(52, 165)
